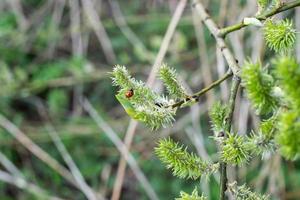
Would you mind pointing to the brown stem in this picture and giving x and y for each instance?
(203, 91)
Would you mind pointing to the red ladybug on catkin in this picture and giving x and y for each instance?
(129, 93)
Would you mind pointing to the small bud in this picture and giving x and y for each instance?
(252, 21)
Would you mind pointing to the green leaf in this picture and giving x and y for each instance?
(127, 105)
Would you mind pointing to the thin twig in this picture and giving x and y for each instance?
(166, 41)
(128, 33)
(55, 21)
(36, 150)
(9, 166)
(196, 96)
(15, 177)
(85, 188)
(25, 185)
(213, 28)
(264, 16)
(77, 46)
(96, 23)
(110, 133)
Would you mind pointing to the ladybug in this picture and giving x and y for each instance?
(129, 93)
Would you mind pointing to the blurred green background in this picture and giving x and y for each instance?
(55, 53)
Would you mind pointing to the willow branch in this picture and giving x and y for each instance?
(197, 95)
(235, 68)
(215, 31)
(223, 166)
(261, 17)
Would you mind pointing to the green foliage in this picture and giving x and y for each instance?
(153, 116)
(193, 196)
(11, 79)
(267, 127)
(280, 35)
(287, 70)
(235, 150)
(259, 86)
(142, 93)
(263, 3)
(57, 102)
(6, 76)
(11, 39)
(8, 24)
(288, 136)
(217, 115)
(263, 142)
(121, 77)
(182, 163)
(169, 77)
(244, 193)
(47, 33)
(49, 71)
(144, 105)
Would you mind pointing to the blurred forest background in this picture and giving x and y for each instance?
(58, 106)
